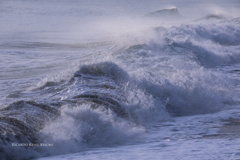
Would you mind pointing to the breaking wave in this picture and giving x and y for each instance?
(208, 44)
(100, 105)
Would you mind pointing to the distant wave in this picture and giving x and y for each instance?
(205, 41)
(212, 17)
(167, 14)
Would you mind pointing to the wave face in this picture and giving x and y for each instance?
(61, 93)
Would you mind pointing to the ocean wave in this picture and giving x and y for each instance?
(211, 45)
(212, 17)
(83, 114)
(20, 123)
(166, 14)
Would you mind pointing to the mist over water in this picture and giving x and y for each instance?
(119, 79)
